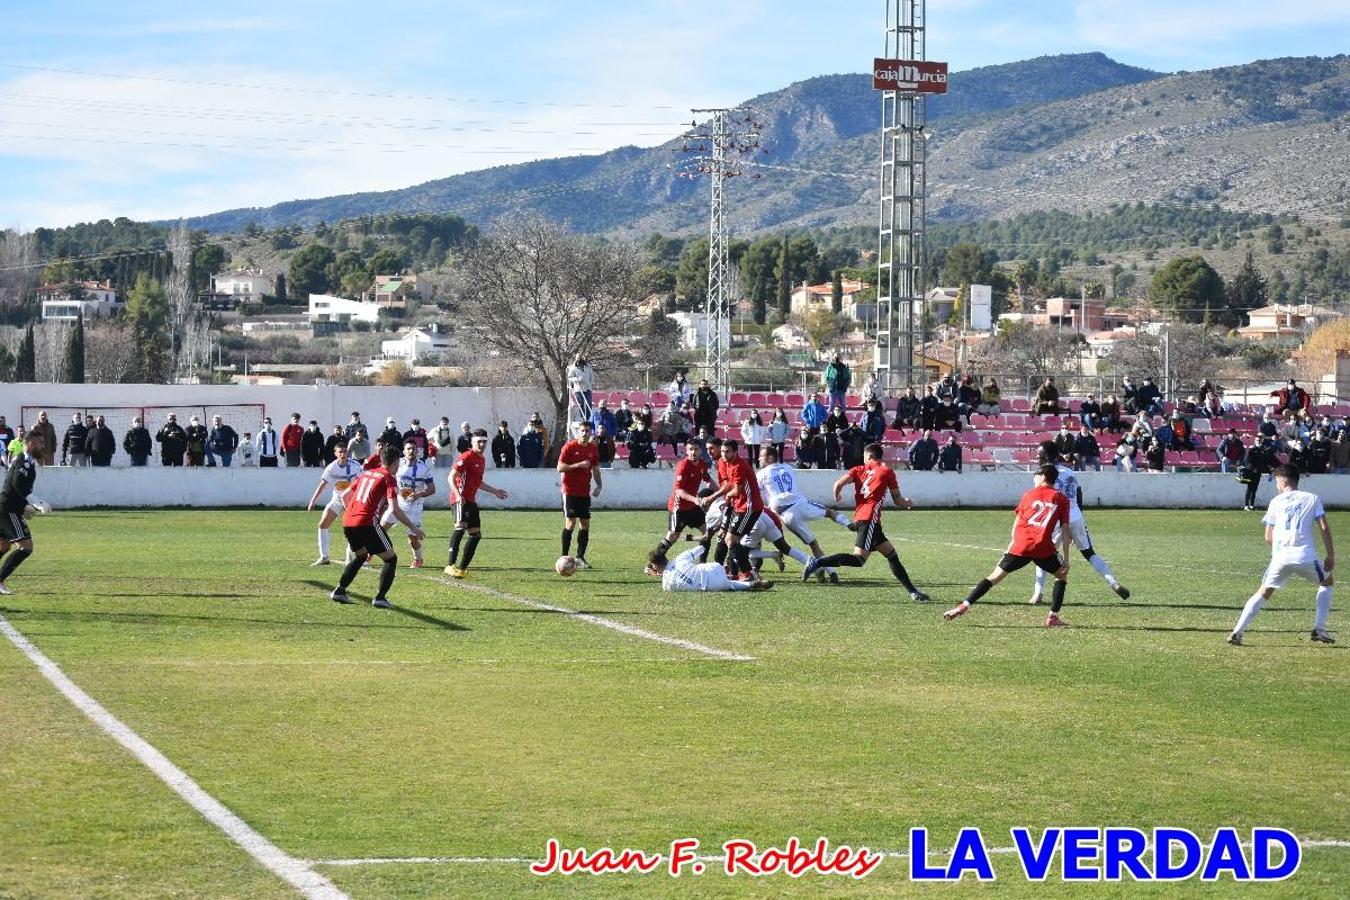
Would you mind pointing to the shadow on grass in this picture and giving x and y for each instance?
(1168, 629)
(429, 619)
(166, 618)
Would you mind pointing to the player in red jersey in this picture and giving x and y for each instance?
(871, 482)
(685, 508)
(579, 462)
(370, 494)
(1039, 512)
(737, 482)
(466, 479)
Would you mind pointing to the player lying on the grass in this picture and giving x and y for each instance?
(1042, 516)
(687, 573)
(337, 475)
(374, 490)
(415, 484)
(685, 511)
(15, 499)
(1067, 484)
(871, 482)
(778, 484)
(466, 479)
(1290, 520)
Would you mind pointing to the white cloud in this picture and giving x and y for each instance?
(1165, 27)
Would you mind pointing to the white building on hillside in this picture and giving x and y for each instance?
(242, 286)
(694, 327)
(67, 301)
(417, 343)
(324, 308)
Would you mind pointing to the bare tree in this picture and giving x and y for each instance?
(1026, 352)
(18, 269)
(109, 353)
(540, 296)
(1190, 352)
(182, 299)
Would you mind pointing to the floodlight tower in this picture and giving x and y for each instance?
(905, 78)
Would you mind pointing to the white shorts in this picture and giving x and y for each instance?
(1078, 533)
(764, 530)
(798, 514)
(1279, 573)
(414, 514)
(334, 509)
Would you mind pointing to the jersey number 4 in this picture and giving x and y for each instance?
(1040, 513)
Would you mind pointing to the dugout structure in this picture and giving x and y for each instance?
(239, 416)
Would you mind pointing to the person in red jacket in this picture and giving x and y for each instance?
(292, 440)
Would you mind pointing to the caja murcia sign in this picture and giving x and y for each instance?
(916, 75)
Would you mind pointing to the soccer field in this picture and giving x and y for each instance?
(473, 722)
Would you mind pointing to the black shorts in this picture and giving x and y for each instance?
(371, 538)
(13, 527)
(576, 507)
(740, 523)
(466, 515)
(1011, 562)
(695, 518)
(870, 536)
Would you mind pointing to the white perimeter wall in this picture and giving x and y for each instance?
(636, 489)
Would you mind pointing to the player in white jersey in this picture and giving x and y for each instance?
(687, 573)
(1067, 484)
(778, 485)
(415, 484)
(1291, 520)
(337, 476)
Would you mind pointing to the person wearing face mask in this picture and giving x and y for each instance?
(137, 443)
(172, 440)
(268, 445)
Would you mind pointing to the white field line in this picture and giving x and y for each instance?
(908, 540)
(297, 873)
(362, 663)
(712, 858)
(589, 618)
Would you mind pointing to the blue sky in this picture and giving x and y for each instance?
(212, 109)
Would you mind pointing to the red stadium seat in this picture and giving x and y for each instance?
(795, 401)
(775, 400)
(658, 398)
(1020, 404)
(757, 401)
(737, 399)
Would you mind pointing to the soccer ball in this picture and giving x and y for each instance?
(565, 566)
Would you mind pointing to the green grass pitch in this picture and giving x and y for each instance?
(466, 724)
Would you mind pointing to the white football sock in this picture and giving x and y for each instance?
(1248, 613)
(417, 553)
(841, 519)
(798, 555)
(1100, 565)
(1323, 608)
(1040, 582)
(323, 543)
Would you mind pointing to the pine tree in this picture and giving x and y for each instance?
(760, 309)
(837, 293)
(147, 308)
(279, 288)
(1247, 291)
(25, 366)
(784, 280)
(74, 368)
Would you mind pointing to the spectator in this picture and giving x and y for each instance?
(392, 436)
(1164, 435)
(417, 436)
(1046, 401)
(623, 419)
(673, 428)
(853, 443)
(967, 398)
(137, 443)
(1292, 431)
(907, 411)
(1149, 398)
(72, 444)
(680, 390)
(268, 445)
(1230, 452)
(504, 447)
(871, 388)
(1268, 428)
(835, 422)
(16, 445)
(292, 439)
(537, 423)
(356, 425)
(945, 389)
(1188, 407)
(101, 443)
(645, 416)
(1127, 452)
(604, 442)
(947, 417)
(246, 449)
(311, 446)
(172, 442)
(603, 417)
(1291, 397)
(814, 413)
(1340, 452)
(530, 448)
(465, 440)
(701, 441)
(1260, 461)
(1110, 420)
(874, 421)
(1156, 456)
(6, 436)
(196, 442)
(928, 407)
(1213, 406)
(337, 439)
(838, 379)
(1182, 438)
(580, 382)
(1319, 453)
(778, 432)
(1086, 449)
(443, 439)
(706, 404)
(1090, 412)
(1207, 391)
(1130, 391)
(1066, 443)
(949, 457)
(991, 399)
(640, 451)
(752, 435)
(810, 447)
(923, 453)
(47, 432)
(221, 443)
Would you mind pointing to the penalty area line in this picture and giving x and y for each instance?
(295, 872)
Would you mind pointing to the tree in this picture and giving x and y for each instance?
(785, 278)
(25, 363)
(147, 311)
(1026, 352)
(966, 263)
(1317, 356)
(539, 296)
(837, 293)
(206, 261)
(386, 262)
(1247, 291)
(1189, 287)
(822, 327)
(74, 368)
(958, 316)
(1190, 352)
(691, 276)
(309, 271)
